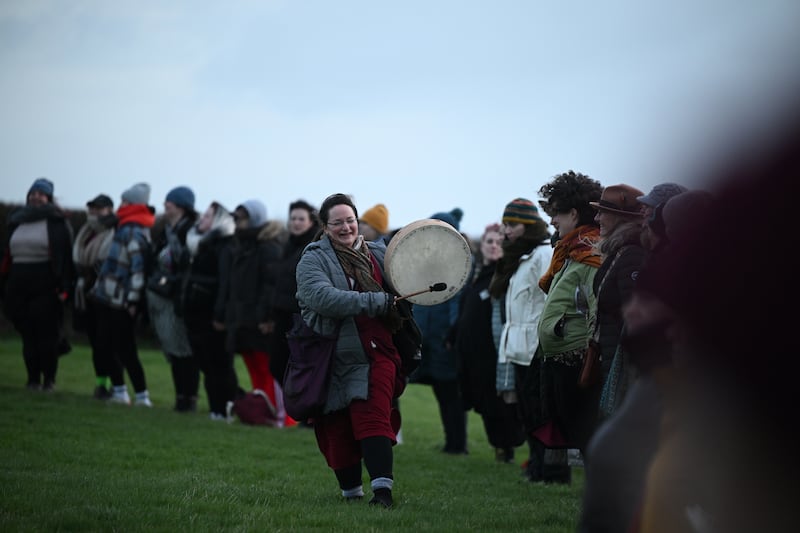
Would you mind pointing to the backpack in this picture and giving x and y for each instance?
(255, 408)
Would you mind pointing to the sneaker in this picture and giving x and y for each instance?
(33, 386)
(120, 397)
(217, 417)
(143, 402)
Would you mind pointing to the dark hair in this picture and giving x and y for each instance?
(329, 203)
(313, 214)
(571, 190)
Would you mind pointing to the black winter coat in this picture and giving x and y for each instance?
(251, 286)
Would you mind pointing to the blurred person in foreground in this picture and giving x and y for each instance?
(340, 284)
(37, 273)
(623, 445)
(719, 308)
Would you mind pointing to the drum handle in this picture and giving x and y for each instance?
(436, 287)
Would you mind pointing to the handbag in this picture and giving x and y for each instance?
(305, 383)
(162, 284)
(590, 367)
(408, 339)
(255, 408)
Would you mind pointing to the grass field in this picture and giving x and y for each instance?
(73, 463)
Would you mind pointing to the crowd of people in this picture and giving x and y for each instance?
(614, 271)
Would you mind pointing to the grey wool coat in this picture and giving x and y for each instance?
(326, 299)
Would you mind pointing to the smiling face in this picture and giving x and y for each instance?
(342, 225)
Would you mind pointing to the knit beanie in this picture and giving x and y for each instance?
(256, 210)
(377, 216)
(138, 194)
(44, 186)
(523, 211)
(453, 217)
(182, 197)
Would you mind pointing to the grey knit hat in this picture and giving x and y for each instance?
(138, 194)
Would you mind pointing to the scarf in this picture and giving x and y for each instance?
(357, 265)
(577, 245)
(33, 213)
(136, 214)
(508, 264)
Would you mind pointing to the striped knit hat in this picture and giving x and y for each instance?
(523, 211)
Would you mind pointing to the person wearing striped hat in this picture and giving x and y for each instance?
(518, 302)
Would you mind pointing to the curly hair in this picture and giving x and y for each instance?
(571, 190)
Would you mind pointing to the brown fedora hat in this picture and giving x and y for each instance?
(621, 200)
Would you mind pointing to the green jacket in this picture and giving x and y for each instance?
(564, 327)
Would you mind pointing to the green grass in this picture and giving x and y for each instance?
(72, 463)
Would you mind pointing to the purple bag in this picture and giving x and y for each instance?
(305, 384)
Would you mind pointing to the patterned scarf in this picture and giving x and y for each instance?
(357, 265)
(577, 245)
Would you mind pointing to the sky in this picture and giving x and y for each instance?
(422, 105)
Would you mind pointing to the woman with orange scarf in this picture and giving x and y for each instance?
(566, 412)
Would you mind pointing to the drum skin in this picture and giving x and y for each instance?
(426, 252)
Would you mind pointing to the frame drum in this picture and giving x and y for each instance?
(424, 253)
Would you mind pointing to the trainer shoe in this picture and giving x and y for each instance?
(120, 397)
(143, 399)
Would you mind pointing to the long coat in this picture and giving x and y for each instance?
(251, 286)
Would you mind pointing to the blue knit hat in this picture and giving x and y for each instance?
(182, 197)
(44, 186)
(453, 217)
(256, 210)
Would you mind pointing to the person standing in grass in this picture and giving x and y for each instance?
(257, 246)
(566, 414)
(37, 273)
(515, 286)
(477, 353)
(202, 305)
(340, 284)
(163, 290)
(89, 251)
(119, 292)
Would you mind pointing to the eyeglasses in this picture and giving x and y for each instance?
(339, 223)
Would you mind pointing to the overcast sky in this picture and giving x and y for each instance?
(420, 105)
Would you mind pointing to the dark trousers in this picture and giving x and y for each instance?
(116, 346)
(214, 361)
(90, 317)
(32, 305)
(454, 418)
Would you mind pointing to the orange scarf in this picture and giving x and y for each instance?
(577, 245)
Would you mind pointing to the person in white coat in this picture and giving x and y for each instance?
(515, 288)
